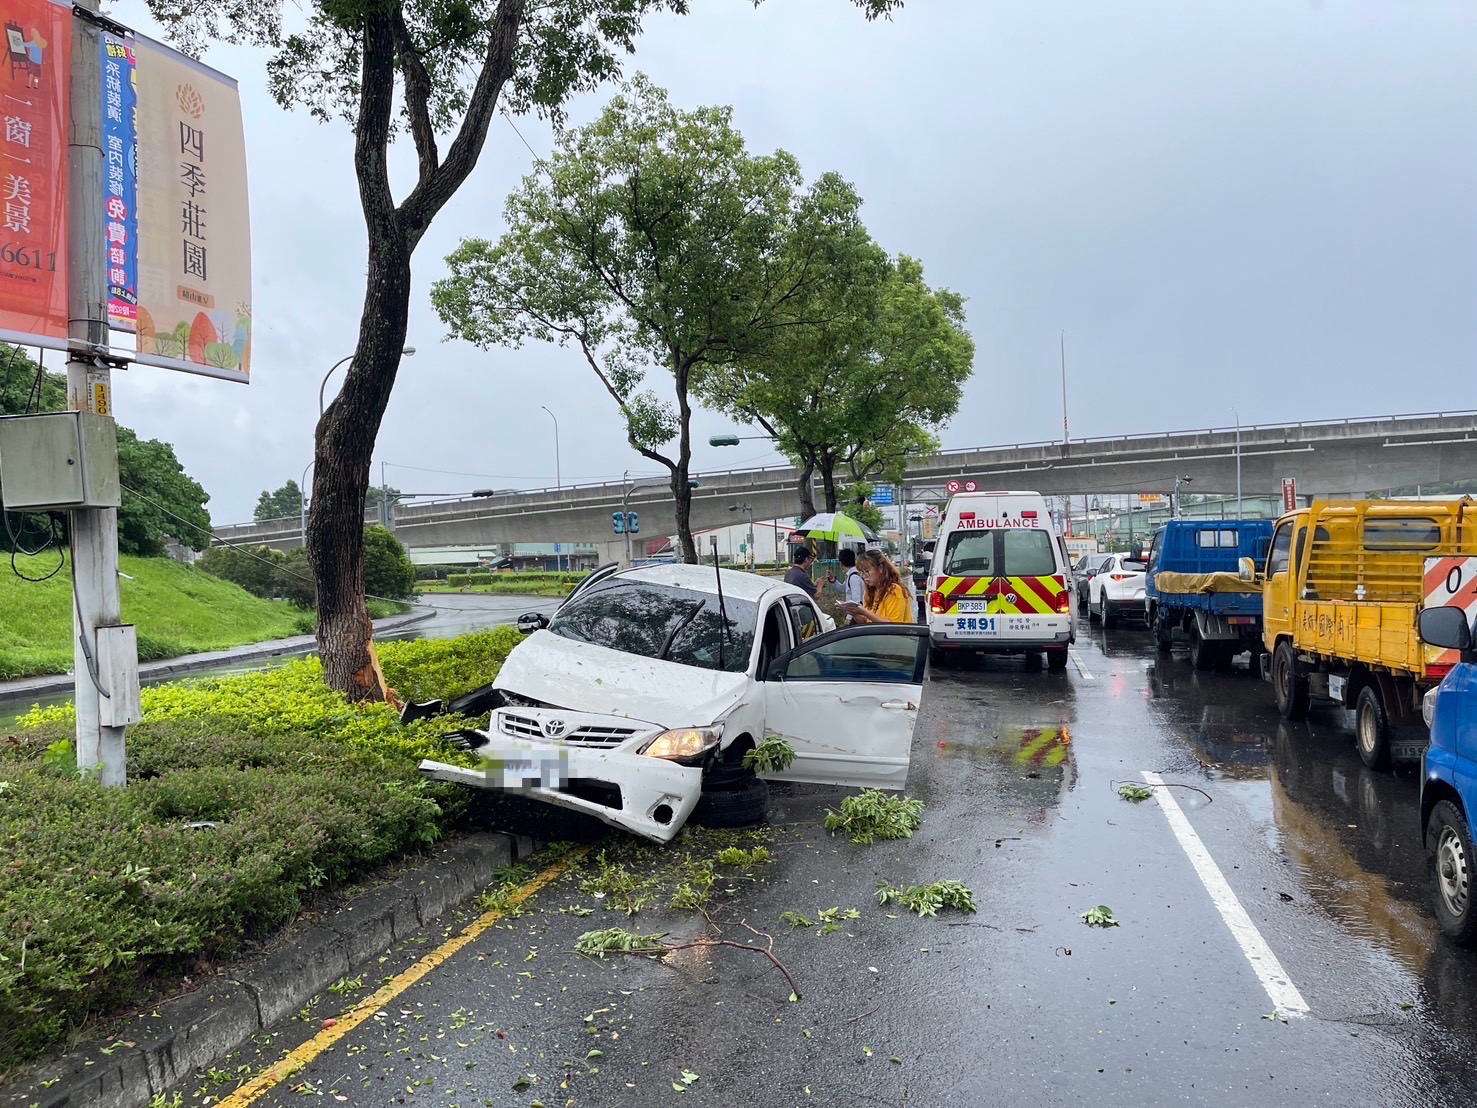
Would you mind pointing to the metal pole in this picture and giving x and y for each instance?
(1064, 389)
(626, 511)
(1238, 461)
(302, 489)
(558, 479)
(94, 531)
(326, 376)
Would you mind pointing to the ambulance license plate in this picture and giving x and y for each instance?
(972, 606)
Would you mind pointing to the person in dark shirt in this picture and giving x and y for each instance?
(799, 572)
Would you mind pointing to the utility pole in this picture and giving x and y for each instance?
(385, 514)
(1064, 390)
(626, 510)
(104, 692)
(1238, 461)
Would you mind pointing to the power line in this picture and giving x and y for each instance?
(509, 118)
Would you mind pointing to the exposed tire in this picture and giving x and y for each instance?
(738, 806)
(1163, 632)
(1056, 660)
(1372, 728)
(1452, 890)
(1203, 654)
(1289, 688)
(727, 775)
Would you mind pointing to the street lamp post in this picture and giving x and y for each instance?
(1237, 414)
(302, 500)
(407, 352)
(558, 478)
(748, 508)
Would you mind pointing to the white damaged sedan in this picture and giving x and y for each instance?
(640, 697)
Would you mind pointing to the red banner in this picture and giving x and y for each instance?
(35, 74)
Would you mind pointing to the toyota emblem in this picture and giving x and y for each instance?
(554, 728)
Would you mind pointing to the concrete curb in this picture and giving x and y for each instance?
(196, 1029)
(153, 672)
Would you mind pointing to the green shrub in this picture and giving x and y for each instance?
(306, 790)
(388, 570)
(458, 580)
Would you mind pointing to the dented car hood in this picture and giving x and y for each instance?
(583, 677)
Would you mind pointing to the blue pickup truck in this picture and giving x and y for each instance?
(1449, 772)
(1192, 587)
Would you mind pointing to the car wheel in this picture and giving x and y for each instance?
(1033, 660)
(739, 806)
(1372, 728)
(1092, 615)
(1056, 659)
(937, 658)
(1452, 866)
(727, 775)
(1107, 615)
(1289, 688)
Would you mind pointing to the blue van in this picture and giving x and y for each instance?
(1449, 772)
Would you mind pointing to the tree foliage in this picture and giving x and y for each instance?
(388, 570)
(433, 68)
(257, 569)
(283, 503)
(161, 502)
(650, 239)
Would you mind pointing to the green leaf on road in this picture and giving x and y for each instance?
(1134, 793)
(1101, 916)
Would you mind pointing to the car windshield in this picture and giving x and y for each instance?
(659, 621)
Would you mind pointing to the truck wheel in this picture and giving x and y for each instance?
(1225, 656)
(1056, 660)
(1289, 688)
(1202, 654)
(1163, 632)
(1372, 728)
(1452, 874)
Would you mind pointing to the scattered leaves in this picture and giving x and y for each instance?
(873, 815)
(773, 755)
(926, 900)
(1101, 916)
(1134, 793)
(599, 943)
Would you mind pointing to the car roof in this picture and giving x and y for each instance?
(736, 583)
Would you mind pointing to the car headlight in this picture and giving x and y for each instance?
(683, 744)
(1428, 706)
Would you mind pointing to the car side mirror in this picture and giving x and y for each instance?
(529, 622)
(1446, 627)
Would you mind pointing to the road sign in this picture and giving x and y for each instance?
(953, 486)
(1450, 582)
(882, 496)
(1289, 494)
(970, 486)
(558, 548)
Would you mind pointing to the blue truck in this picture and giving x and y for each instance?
(1449, 772)
(1194, 585)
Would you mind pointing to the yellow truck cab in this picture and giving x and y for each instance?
(1345, 582)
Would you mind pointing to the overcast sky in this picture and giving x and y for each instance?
(1260, 203)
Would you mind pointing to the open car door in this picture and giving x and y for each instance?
(847, 702)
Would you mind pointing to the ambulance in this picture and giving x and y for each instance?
(1000, 581)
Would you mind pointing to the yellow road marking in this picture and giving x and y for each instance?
(295, 1060)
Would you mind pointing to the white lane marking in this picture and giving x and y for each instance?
(1076, 661)
(1285, 996)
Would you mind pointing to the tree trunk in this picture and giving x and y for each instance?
(807, 490)
(828, 482)
(681, 483)
(345, 442)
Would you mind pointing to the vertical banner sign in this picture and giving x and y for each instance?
(120, 180)
(1289, 494)
(194, 258)
(35, 74)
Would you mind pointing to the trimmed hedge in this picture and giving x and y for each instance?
(109, 894)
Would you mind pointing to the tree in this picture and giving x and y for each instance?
(450, 62)
(255, 570)
(855, 392)
(649, 238)
(388, 570)
(160, 500)
(285, 503)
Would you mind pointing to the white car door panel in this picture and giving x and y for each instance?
(847, 701)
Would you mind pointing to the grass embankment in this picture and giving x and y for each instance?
(505, 584)
(109, 897)
(178, 610)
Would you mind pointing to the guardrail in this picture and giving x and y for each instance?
(1142, 437)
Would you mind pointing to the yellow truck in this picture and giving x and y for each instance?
(1345, 580)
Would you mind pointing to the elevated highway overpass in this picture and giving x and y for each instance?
(1348, 457)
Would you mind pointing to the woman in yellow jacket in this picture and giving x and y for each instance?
(886, 599)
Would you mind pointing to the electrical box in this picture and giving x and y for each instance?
(58, 461)
(117, 674)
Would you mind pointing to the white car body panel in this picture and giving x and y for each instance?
(598, 707)
(809, 715)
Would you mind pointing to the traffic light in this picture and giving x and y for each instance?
(619, 520)
(723, 440)
(633, 523)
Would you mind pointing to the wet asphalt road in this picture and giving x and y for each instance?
(1020, 1004)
